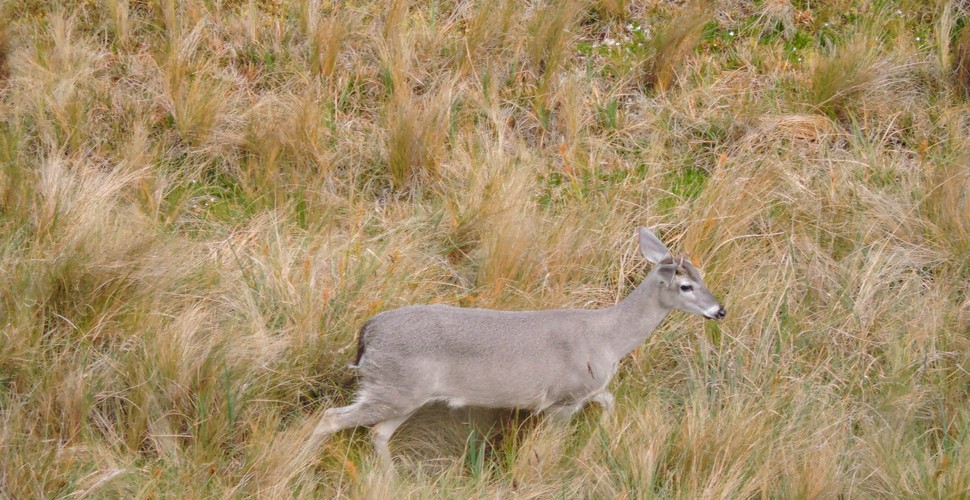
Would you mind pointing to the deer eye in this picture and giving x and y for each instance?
(686, 288)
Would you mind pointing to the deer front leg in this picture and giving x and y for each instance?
(605, 399)
(562, 412)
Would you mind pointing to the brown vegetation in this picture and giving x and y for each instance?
(201, 202)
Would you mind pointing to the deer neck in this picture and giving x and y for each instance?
(635, 318)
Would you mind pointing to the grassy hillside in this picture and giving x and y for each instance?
(202, 201)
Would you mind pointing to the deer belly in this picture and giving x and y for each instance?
(531, 389)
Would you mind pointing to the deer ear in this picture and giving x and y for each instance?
(652, 248)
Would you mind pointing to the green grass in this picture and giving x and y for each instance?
(202, 202)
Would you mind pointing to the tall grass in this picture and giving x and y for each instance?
(841, 80)
(672, 44)
(202, 202)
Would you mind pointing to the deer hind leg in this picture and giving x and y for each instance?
(361, 413)
(384, 418)
(382, 432)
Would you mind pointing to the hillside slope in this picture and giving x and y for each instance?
(202, 201)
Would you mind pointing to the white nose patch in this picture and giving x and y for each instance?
(712, 312)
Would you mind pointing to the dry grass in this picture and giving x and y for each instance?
(961, 64)
(201, 202)
(672, 44)
(4, 53)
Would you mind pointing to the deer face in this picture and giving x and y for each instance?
(682, 288)
(679, 283)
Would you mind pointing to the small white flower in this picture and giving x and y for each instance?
(825, 24)
(899, 12)
(730, 33)
(917, 39)
(799, 59)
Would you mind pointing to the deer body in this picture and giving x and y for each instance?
(552, 361)
(528, 360)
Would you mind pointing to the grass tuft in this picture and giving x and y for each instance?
(549, 40)
(839, 80)
(326, 41)
(417, 134)
(6, 45)
(671, 45)
(120, 20)
(946, 205)
(961, 63)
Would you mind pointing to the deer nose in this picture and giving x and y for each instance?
(721, 313)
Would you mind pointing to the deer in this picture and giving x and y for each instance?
(552, 362)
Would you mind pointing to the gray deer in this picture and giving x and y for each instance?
(552, 361)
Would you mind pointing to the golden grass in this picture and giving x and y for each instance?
(201, 202)
(4, 54)
(671, 45)
(961, 64)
